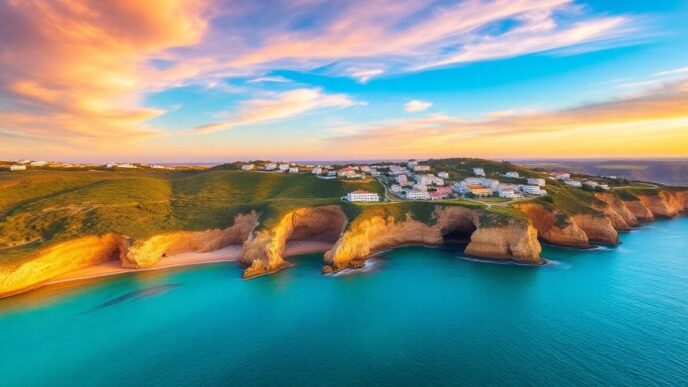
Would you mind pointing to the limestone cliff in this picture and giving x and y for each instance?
(554, 227)
(148, 252)
(513, 240)
(59, 259)
(639, 210)
(618, 207)
(263, 252)
(598, 228)
(666, 204)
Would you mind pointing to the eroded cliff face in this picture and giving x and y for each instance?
(148, 252)
(598, 228)
(619, 208)
(514, 240)
(60, 259)
(639, 210)
(371, 235)
(263, 252)
(666, 204)
(555, 227)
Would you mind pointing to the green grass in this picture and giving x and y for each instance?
(49, 206)
(42, 207)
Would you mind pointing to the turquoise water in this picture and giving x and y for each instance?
(420, 316)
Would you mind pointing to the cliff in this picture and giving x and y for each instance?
(598, 228)
(618, 207)
(148, 252)
(263, 251)
(59, 259)
(639, 210)
(554, 227)
(513, 240)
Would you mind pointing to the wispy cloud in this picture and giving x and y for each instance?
(74, 70)
(580, 130)
(416, 105)
(279, 106)
(393, 36)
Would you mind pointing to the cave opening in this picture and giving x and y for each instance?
(461, 233)
(458, 229)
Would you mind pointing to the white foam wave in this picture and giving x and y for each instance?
(369, 265)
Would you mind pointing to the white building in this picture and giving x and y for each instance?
(416, 194)
(509, 194)
(156, 166)
(17, 167)
(247, 167)
(402, 179)
(478, 171)
(561, 176)
(362, 196)
(270, 166)
(573, 183)
(421, 168)
(365, 168)
(512, 174)
(347, 172)
(540, 182)
(39, 163)
(443, 175)
(531, 189)
(316, 170)
(126, 165)
(428, 179)
(293, 170)
(504, 187)
(396, 188)
(283, 167)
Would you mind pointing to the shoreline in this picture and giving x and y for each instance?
(226, 254)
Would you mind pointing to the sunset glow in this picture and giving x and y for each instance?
(197, 81)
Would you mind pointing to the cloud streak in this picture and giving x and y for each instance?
(73, 69)
(279, 106)
(605, 127)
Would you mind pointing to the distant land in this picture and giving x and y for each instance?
(665, 171)
(61, 221)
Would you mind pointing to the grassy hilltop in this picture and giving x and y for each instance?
(41, 207)
(38, 207)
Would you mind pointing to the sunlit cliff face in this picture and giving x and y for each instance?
(209, 80)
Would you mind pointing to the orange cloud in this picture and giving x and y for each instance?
(75, 70)
(655, 123)
(279, 106)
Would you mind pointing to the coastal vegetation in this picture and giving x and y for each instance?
(141, 215)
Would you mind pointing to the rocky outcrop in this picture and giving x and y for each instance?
(598, 228)
(59, 259)
(660, 205)
(639, 210)
(554, 227)
(148, 252)
(263, 252)
(513, 240)
(622, 218)
(666, 204)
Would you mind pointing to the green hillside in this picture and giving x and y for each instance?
(40, 207)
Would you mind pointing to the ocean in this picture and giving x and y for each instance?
(414, 316)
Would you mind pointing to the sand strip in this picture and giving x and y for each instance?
(226, 254)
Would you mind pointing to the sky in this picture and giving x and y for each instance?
(211, 81)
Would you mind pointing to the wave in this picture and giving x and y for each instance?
(369, 265)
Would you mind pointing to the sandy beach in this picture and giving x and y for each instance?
(229, 253)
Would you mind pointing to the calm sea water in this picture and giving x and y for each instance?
(420, 316)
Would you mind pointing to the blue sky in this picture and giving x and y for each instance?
(212, 80)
